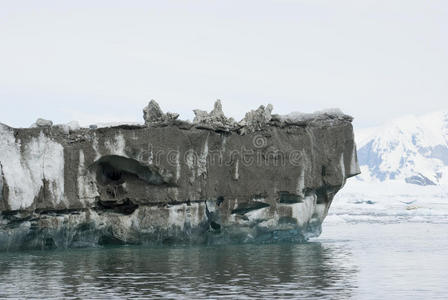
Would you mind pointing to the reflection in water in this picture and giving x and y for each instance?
(308, 270)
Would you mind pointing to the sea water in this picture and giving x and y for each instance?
(360, 260)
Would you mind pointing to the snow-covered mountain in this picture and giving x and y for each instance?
(404, 166)
(412, 149)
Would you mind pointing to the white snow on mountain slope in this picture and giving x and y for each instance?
(412, 149)
(404, 166)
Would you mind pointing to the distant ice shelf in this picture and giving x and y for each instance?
(390, 202)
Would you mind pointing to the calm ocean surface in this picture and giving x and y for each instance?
(360, 261)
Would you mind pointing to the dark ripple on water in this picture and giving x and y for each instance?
(309, 270)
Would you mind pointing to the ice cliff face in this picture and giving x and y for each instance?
(264, 179)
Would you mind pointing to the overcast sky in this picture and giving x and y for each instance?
(99, 61)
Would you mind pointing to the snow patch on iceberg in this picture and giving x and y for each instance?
(70, 127)
(87, 190)
(303, 117)
(117, 145)
(27, 167)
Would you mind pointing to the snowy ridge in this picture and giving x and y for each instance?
(410, 149)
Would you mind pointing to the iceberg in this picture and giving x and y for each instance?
(264, 179)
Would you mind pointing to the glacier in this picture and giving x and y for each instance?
(264, 179)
